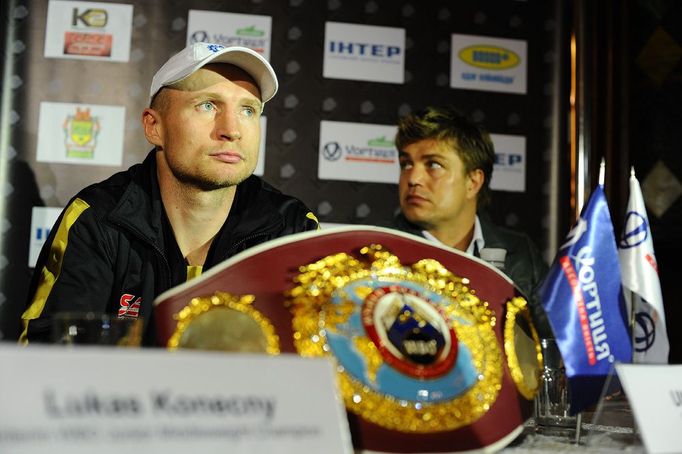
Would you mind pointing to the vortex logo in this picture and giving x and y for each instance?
(635, 231)
(646, 332)
(332, 151)
(200, 36)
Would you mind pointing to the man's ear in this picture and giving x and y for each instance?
(151, 123)
(475, 181)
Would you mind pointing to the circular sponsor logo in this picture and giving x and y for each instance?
(398, 338)
(331, 151)
(411, 334)
(199, 36)
(645, 333)
(635, 231)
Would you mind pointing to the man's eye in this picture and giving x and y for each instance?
(207, 106)
(250, 111)
(435, 165)
(405, 165)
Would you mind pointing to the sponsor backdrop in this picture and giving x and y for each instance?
(348, 71)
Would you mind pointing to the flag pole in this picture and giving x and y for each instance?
(633, 296)
(602, 170)
(631, 315)
(632, 299)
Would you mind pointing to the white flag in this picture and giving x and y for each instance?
(640, 281)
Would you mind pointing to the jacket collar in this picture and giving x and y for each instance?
(478, 242)
(491, 233)
(141, 210)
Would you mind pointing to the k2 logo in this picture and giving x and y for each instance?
(91, 18)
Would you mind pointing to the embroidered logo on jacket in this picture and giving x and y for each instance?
(129, 308)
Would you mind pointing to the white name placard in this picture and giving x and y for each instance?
(115, 401)
(655, 395)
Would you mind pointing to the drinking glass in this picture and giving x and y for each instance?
(552, 404)
(93, 328)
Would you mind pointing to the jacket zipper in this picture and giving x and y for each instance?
(269, 230)
(156, 248)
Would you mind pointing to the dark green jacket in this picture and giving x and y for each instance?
(523, 263)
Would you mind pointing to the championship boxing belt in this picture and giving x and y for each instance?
(435, 350)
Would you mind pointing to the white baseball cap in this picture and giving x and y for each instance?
(196, 55)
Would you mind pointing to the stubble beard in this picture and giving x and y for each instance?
(207, 183)
(421, 221)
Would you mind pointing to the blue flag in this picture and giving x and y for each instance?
(583, 299)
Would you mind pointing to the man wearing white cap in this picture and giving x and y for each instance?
(191, 204)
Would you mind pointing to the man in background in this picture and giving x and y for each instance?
(446, 163)
(191, 204)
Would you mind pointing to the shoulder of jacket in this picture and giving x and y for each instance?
(505, 235)
(264, 191)
(269, 204)
(102, 197)
(401, 223)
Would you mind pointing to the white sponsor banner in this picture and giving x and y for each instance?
(509, 169)
(88, 30)
(260, 166)
(89, 134)
(364, 52)
(358, 152)
(42, 221)
(489, 64)
(230, 29)
(655, 396)
(119, 400)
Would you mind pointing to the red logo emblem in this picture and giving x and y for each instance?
(88, 44)
(129, 308)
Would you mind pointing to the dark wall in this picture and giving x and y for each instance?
(655, 118)
(305, 98)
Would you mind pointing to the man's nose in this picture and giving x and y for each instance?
(227, 126)
(415, 176)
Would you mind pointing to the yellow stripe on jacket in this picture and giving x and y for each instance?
(50, 272)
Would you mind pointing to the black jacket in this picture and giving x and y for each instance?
(523, 263)
(107, 249)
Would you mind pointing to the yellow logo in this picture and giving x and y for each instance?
(489, 57)
(80, 134)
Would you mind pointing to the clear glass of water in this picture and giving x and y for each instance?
(552, 404)
(94, 328)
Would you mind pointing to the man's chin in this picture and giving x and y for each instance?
(214, 184)
(416, 219)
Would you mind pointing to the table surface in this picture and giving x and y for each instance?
(610, 429)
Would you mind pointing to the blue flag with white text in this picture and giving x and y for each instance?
(583, 299)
